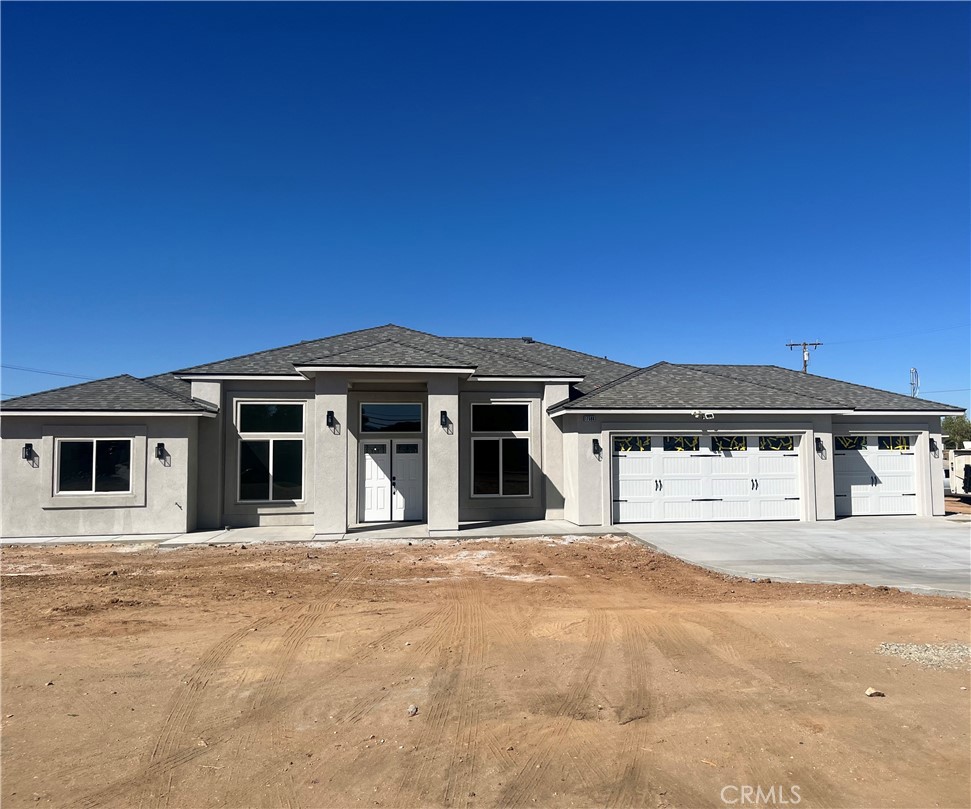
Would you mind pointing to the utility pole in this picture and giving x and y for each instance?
(805, 353)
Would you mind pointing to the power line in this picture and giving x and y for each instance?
(43, 371)
(805, 352)
(948, 390)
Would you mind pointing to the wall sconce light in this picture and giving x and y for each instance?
(28, 452)
(820, 447)
(330, 419)
(443, 419)
(934, 448)
(160, 451)
(597, 449)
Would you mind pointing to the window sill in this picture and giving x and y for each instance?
(76, 501)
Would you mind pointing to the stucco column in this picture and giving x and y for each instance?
(443, 455)
(210, 458)
(823, 472)
(936, 467)
(330, 465)
(553, 453)
(583, 471)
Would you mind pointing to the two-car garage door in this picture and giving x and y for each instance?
(677, 478)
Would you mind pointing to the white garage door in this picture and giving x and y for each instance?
(875, 474)
(682, 478)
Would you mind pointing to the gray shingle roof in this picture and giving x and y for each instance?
(118, 394)
(739, 387)
(388, 353)
(596, 371)
(486, 360)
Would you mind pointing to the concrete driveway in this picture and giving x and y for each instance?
(913, 553)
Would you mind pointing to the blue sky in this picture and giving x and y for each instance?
(184, 182)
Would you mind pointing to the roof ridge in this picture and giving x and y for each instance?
(857, 385)
(563, 371)
(281, 348)
(759, 384)
(552, 345)
(612, 384)
(172, 394)
(394, 342)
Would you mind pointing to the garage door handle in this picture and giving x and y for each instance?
(756, 484)
(753, 484)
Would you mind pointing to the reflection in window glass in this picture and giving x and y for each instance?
(632, 443)
(681, 443)
(729, 443)
(515, 466)
(76, 466)
(112, 466)
(856, 442)
(901, 442)
(391, 418)
(270, 418)
(254, 470)
(776, 443)
(485, 467)
(287, 470)
(497, 418)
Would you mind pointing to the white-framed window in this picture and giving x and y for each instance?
(501, 465)
(391, 417)
(270, 466)
(93, 465)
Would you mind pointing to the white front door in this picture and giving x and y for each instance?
(874, 474)
(392, 478)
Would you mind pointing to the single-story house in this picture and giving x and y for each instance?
(389, 424)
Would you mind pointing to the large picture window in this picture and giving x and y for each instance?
(270, 451)
(391, 418)
(94, 465)
(500, 463)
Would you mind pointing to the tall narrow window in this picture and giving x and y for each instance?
(270, 451)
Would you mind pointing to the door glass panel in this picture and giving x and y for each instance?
(254, 470)
(406, 449)
(391, 418)
(376, 449)
(681, 443)
(632, 443)
(776, 443)
(893, 442)
(287, 470)
(850, 442)
(729, 443)
(485, 467)
(515, 466)
(271, 418)
(74, 474)
(495, 418)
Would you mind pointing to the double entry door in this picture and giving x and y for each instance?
(391, 480)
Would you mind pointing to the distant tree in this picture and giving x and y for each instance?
(957, 429)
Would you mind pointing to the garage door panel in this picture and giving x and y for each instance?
(638, 511)
(778, 487)
(684, 511)
(731, 510)
(676, 463)
(682, 487)
(873, 481)
(731, 487)
(890, 504)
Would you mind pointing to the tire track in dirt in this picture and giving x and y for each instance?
(532, 771)
(451, 728)
(172, 747)
(677, 639)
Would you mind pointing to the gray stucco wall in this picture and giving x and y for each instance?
(160, 500)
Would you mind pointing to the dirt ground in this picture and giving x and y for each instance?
(555, 672)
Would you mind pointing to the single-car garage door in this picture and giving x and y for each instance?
(684, 478)
(875, 474)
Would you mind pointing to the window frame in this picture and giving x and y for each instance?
(421, 420)
(93, 492)
(500, 436)
(271, 437)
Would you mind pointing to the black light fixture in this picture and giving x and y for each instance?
(330, 419)
(820, 447)
(934, 448)
(160, 451)
(28, 452)
(597, 449)
(443, 419)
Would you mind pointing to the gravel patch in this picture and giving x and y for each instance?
(938, 656)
